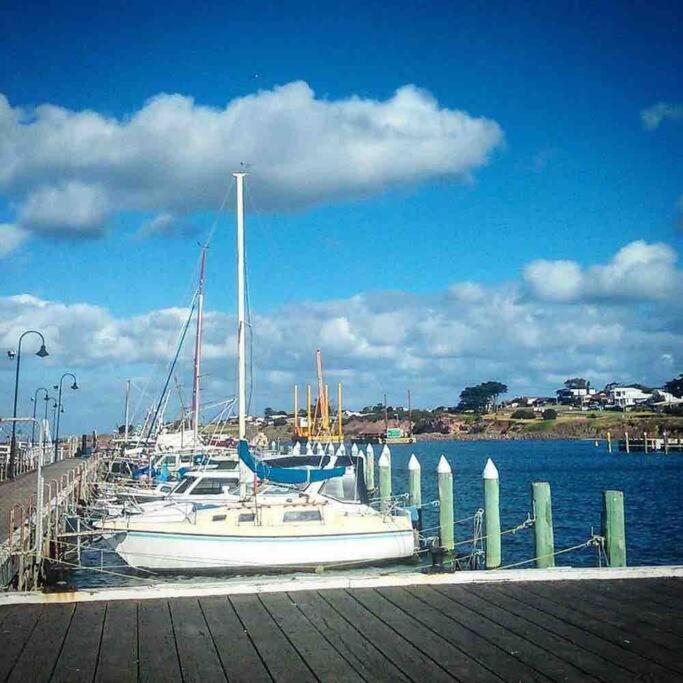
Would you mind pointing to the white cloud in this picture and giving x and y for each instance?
(11, 238)
(73, 207)
(433, 344)
(638, 272)
(653, 116)
(66, 170)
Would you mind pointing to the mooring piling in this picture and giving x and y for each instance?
(609, 442)
(492, 515)
(370, 467)
(384, 482)
(446, 516)
(414, 483)
(543, 524)
(666, 442)
(645, 442)
(628, 443)
(614, 529)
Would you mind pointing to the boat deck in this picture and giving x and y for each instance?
(609, 630)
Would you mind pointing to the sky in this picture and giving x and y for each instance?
(439, 194)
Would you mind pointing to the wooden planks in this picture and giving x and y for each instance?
(81, 648)
(118, 661)
(526, 631)
(157, 652)
(39, 654)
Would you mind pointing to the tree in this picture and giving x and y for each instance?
(523, 414)
(576, 383)
(549, 414)
(675, 386)
(481, 397)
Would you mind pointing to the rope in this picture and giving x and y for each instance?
(592, 541)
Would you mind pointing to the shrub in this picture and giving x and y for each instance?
(549, 414)
(523, 414)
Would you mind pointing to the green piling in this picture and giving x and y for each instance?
(614, 528)
(492, 515)
(414, 483)
(543, 524)
(384, 482)
(446, 518)
(370, 468)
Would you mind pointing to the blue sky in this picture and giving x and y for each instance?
(574, 176)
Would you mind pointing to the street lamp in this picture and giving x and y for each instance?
(34, 400)
(41, 353)
(74, 386)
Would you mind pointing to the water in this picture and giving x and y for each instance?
(578, 472)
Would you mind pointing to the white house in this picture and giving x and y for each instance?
(627, 396)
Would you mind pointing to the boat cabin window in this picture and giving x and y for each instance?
(166, 489)
(183, 485)
(302, 516)
(186, 458)
(167, 460)
(245, 517)
(209, 487)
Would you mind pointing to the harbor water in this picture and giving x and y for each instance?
(578, 473)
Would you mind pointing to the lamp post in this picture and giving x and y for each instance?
(41, 353)
(47, 399)
(35, 405)
(60, 409)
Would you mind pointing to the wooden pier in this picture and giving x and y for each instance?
(558, 630)
(64, 484)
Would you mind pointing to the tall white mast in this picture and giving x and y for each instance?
(241, 322)
(125, 436)
(198, 349)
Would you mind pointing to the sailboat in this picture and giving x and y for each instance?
(306, 516)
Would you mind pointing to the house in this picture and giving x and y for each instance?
(625, 397)
(659, 397)
(573, 395)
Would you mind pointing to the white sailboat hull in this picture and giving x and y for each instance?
(173, 551)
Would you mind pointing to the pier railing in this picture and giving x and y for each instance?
(33, 530)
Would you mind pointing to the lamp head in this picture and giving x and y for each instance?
(42, 351)
(55, 386)
(11, 354)
(74, 386)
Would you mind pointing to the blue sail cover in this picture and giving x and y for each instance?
(284, 475)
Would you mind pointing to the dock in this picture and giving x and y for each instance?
(568, 628)
(18, 491)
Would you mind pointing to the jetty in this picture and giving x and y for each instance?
(516, 625)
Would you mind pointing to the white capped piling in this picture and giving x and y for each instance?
(614, 528)
(446, 518)
(666, 442)
(341, 450)
(609, 442)
(386, 451)
(272, 445)
(370, 468)
(645, 442)
(309, 448)
(319, 450)
(628, 443)
(354, 449)
(384, 482)
(330, 448)
(543, 524)
(414, 483)
(492, 514)
(296, 449)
